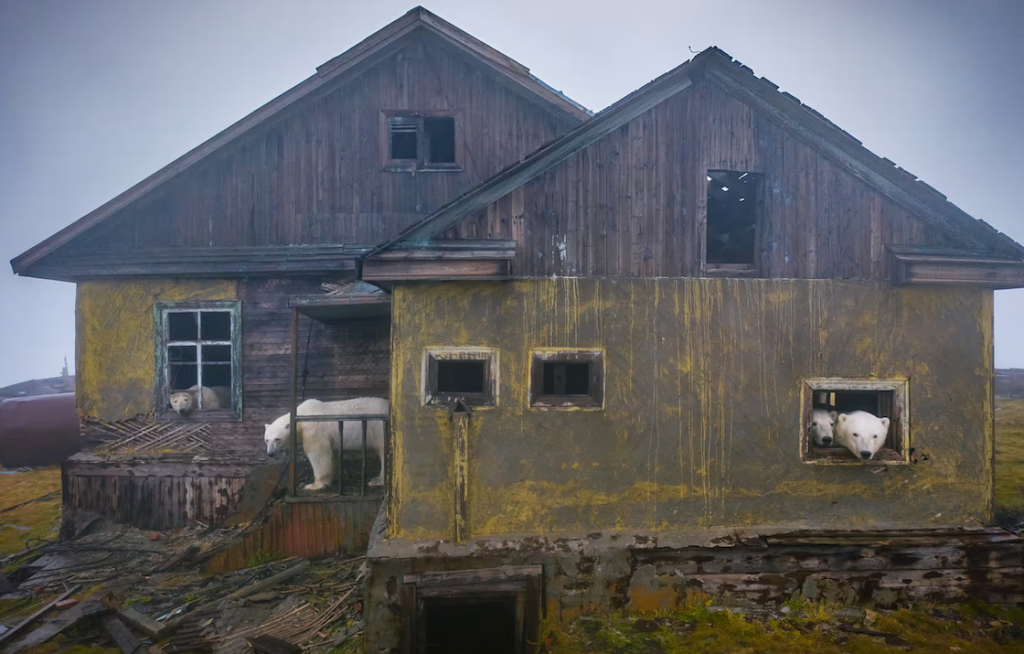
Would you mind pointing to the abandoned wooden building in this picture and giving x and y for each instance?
(602, 338)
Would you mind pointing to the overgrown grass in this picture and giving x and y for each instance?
(42, 519)
(974, 628)
(1010, 459)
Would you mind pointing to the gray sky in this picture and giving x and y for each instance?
(97, 94)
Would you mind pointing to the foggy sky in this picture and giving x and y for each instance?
(97, 94)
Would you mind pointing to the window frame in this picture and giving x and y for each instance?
(434, 399)
(161, 311)
(899, 427)
(736, 269)
(592, 401)
(420, 163)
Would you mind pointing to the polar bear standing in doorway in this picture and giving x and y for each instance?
(321, 440)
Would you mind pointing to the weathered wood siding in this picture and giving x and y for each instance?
(634, 203)
(310, 529)
(316, 177)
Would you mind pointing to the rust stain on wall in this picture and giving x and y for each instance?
(701, 419)
(115, 341)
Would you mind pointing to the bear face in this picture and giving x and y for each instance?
(822, 427)
(276, 434)
(862, 433)
(182, 403)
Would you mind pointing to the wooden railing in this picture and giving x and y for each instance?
(385, 468)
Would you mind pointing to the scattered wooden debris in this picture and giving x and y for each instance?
(7, 635)
(269, 645)
(120, 633)
(60, 623)
(144, 624)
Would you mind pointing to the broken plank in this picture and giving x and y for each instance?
(57, 625)
(40, 612)
(270, 645)
(270, 582)
(120, 633)
(144, 623)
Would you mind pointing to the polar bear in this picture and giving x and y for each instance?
(216, 397)
(822, 427)
(320, 440)
(862, 433)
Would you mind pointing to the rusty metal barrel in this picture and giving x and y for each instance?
(41, 430)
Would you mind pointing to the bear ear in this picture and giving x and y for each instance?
(834, 415)
(885, 422)
(265, 426)
(842, 418)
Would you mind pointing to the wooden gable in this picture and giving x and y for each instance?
(313, 171)
(633, 203)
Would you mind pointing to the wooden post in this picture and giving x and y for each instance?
(341, 458)
(459, 416)
(362, 486)
(292, 425)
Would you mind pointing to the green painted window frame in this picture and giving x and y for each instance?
(160, 331)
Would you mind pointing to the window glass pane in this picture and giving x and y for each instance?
(182, 376)
(216, 326)
(182, 326)
(181, 354)
(217, 377)
(460, 376)
(219, 353)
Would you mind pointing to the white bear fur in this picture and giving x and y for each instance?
(216, 397)
(822, 427)
(320, 440)
(862, 433)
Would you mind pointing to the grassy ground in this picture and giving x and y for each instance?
(39, 519)
(1010, 460)
(971, 628)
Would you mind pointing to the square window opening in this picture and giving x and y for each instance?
(469, 374)
(828, 404)
(732, 216)
(470, 624)
(404, 139)
(567, 379)
(439, 134)
(461, 376)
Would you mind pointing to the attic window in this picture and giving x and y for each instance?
(838, 400)
(421, 141)
(566, 379)
(469, 374)
(733, 211)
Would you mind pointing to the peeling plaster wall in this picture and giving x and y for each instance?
(115, 357)
(701, 420)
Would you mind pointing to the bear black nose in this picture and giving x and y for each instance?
(865, 455)
(826, 441)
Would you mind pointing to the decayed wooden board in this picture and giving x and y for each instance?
(388, 270)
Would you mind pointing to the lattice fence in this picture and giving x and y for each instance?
(146, 434)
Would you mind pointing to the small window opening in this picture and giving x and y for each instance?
(404, 137)
(470, 625)
(440, 136)
(465, 373)
(732, 217)
(566, 378)
(461, 376)
(831, 404)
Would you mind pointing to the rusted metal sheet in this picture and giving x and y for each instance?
(38, 431)
(308, 529)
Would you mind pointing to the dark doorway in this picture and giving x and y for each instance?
(470, 625)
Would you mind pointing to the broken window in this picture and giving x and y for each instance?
(566, 379)
(733, 208)
(469, 374)
(198, 345)
(829, 403)
(418, 141)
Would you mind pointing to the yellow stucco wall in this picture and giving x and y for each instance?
(115, 341)
(702, 405)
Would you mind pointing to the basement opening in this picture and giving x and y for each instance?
(882, 399)
(733, 208)
(469, 625)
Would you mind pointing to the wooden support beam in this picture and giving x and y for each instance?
(459, 416)
(440, 270)
(956, 270)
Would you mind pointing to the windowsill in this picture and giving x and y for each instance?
(566, 403)
(214, 415)
(841, 456)
(730, 270)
